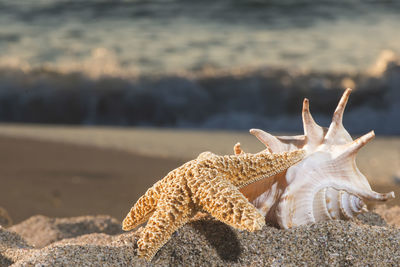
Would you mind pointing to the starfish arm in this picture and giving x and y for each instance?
(245, 169)
(142, 210)
(173, 211)
(224, 202)
(237, 150)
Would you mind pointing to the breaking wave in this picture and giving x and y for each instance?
(267, 98)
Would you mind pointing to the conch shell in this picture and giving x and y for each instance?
(326, 184)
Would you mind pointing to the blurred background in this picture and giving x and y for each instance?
(101, 98)
(228, 64)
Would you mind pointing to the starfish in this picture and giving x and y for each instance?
(208, 183)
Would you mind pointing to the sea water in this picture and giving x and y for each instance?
(214, 64)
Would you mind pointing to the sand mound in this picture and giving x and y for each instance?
(12, 247)
(89, 250)
(41, 231)
(212, 243)
(207, 242)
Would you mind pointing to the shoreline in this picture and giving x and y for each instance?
(71, 171)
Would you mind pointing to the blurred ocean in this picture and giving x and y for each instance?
(232, 64)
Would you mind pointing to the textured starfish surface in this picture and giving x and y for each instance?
(209, 183)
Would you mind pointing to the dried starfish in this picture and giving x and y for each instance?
(210, 183)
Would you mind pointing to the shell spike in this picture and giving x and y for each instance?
(267, 139)
(337, 119)
(374, 196)
(357, 144)
(312, 130)
(364, 208)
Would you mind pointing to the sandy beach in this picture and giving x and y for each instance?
(72, 171)
(50, 175)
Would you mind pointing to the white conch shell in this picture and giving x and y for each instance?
(326, 184)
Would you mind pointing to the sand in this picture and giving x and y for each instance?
(61, 180)
(49, 172)
(41, 231)
(5, 219)
(379, 160)
(368, 241)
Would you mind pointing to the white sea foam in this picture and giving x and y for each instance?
(267, 98)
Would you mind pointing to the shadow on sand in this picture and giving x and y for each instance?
(221, 237)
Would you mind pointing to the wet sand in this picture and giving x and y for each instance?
(63, 172)
(62, 180)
